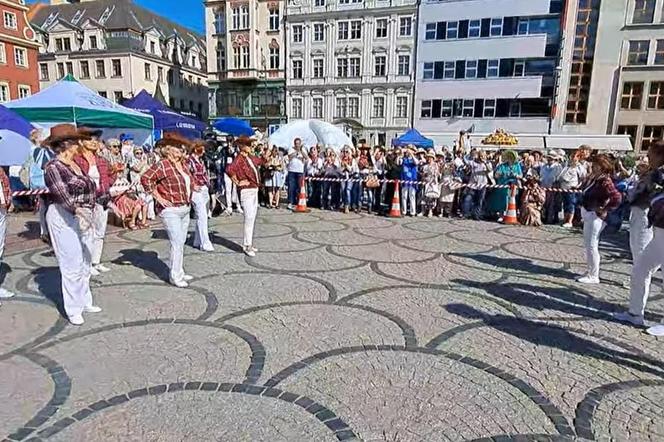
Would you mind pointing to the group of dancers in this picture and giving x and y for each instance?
(79, 181)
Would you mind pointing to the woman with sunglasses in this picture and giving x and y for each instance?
(171, 184)
(201, 197)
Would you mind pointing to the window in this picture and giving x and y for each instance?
(148, 72)
(153, 47)
(427, 71)
(317, 110)
(492, 68)
(659, 52)
(425, 111)
(235, 17)
(644, 11)
(631, 96)
(522, 27)
(20, 57)
(101, 68)
(468, 108)
(656, 96)
(452, 29)
(274, 19)
(638, 52)
(446, 108)
(160, 74)
(319, 3)
(354, 67)
(319, 32)
(85, 69)
(449, 70)
(221, 57)
(380, 66)
(404, 65)
(381, 28)
(3, 54)
(274, 57)
(237, 58)
(402, 107)
(93, 42)
(117, 96)
(342, 67)
(297, 69)
(405, 26)
(489, 108)
(63, 44)
(220, 21)
(471, 68)
(298, 34)
(43, 71)
(650, 135)
(182, 104)
(244, 16)
(356, 29)
(379, 107)
(61, 70)
(496, 26)
(245, 57)
(24, 91)
(628, 130)
(515, 108)
(103, 94)
(353, 107)
(474, 27)
(116, 68)
(519, 68)
(341, 107)
(70, 68)
(318, 70)
(342, 30)
(4, 93)
(430, 31)
(10, 20)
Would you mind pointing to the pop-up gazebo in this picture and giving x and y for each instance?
(414, 138)
(68, 101)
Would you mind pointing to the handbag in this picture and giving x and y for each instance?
(372, 182)
(432, 190)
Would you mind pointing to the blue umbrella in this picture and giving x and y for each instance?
(15, 145)
(233, 126)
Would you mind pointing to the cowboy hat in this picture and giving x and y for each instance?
(90, 132)
(174, 140)
(430, 154)
(63, 132)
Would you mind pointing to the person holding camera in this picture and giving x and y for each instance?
(409, 168)
(228, 155)
(274, 178)
(296, 160)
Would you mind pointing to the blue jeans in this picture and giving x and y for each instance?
(569, 202)
(351, 194)
(293, 187)
(473, 203)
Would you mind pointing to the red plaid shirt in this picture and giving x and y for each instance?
(241, 170)
(67, 188)
(6, 190)
(198, 171)
(165, 179)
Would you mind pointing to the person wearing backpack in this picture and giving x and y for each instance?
(40, 156)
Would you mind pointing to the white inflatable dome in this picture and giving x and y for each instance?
(311, 132)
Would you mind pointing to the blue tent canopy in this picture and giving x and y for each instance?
(165, 119)
(15, 145)
(233, 126)
(413, 137)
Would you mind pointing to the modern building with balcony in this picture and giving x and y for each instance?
(246, 59)
(486, 64)
(615, 81)
(350, 63)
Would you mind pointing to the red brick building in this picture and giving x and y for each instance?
(18, 52)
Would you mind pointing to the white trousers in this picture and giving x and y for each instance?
(149, 201)
(3, 230)
(230, 192)
(100, 221)
(249, 201)
(200, 200)
(409, 200)
(640, 233)
(644, 267)
(176, 222)
(72, 249)
(592, 228)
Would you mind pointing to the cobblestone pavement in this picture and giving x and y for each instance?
(342, 327)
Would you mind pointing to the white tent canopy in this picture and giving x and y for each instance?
(311, 132)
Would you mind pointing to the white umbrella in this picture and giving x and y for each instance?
(311, 132)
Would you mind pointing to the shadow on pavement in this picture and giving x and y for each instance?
(225, 243)
(49, 285)
(147, 261)
(516, 264)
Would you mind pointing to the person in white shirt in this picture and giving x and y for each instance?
(314, 168)
(295, 168)
(571, 178)
(549, 175)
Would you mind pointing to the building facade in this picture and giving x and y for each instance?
(351, 63)
(246, 59)
(615, 83)
(118, 48)
(486, 64)
(18, 52)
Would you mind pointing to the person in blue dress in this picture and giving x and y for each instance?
(508, 172)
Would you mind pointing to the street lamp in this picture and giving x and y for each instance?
(263, 74)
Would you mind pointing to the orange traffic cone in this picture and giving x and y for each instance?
(395, 210)
(510, 215)
(302, 199)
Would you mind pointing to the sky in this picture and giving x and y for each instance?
(189, 13)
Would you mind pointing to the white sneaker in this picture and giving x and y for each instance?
(5, 294)
(657, 330)
(290, 207)
(102, 268)
(249, 251)
(179, 284)
(419, 214)
(187, 278)
(636, 320)
(253, 249)
(240, 211)
(208, 248)
(228, 212)
(568, 225)
(94, 271)
(92, 309)
(500, 220)
(587, 280)
(76, 320)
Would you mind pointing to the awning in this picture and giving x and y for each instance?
(599, 142)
